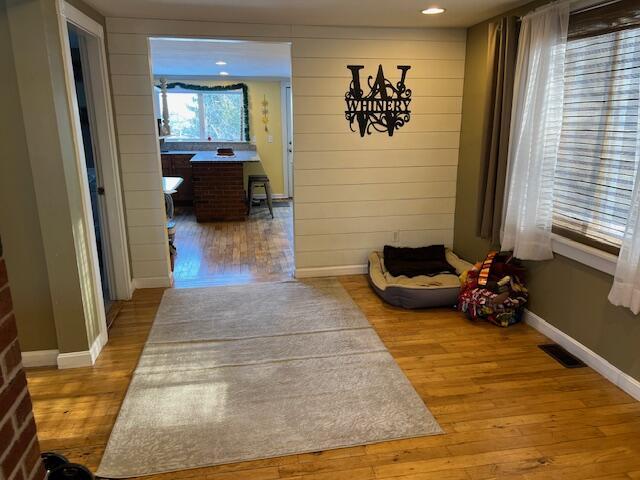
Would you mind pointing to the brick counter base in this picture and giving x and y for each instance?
(218, 191)
(19, 449)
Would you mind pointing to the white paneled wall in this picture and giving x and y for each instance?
(356, 194)
(139, 159)
(352, 194)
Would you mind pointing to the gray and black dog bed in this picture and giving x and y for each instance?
(417, 292)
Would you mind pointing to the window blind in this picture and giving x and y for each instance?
(596, 164)
(612, 16)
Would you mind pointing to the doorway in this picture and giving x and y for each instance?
(103, 245)
(94, 176)
(232, 219)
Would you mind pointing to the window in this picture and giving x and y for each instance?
(203, 115)
(184, 116)
(596, 164)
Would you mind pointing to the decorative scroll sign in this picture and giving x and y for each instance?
(384, 109)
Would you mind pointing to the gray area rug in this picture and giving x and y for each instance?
(247, 372)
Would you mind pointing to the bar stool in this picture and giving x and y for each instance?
(260, 181)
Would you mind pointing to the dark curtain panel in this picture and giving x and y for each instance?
(503, 46)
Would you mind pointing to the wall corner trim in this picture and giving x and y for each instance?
(84, 358)
(616, 376)
(40, 358)
(98, 345)
(330, 271)
(151, 282)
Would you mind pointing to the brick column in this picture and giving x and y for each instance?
(19, 449)
(218, 191)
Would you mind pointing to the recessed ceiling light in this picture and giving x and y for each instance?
(220, 62)
(224, 73)
(433, 10)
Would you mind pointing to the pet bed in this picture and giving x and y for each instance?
(420, 291)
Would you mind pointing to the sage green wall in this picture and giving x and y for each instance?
(19, 220)
(53, 196)
(565, 293)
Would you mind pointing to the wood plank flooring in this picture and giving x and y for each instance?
(222, 253)
(509, 411)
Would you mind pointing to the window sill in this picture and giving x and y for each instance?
(197, 140)
(592, 257)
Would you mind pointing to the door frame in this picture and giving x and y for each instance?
(104, 138)
(286, 125)
(107, 252)
(105, 153)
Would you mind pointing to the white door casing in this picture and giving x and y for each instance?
(106, 157)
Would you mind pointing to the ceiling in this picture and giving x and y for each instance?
(380, 13)
(184, 57)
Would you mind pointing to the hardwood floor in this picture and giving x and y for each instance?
(509, 411)
(218, 253)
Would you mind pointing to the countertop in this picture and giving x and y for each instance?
(178, 152)
(241, 156)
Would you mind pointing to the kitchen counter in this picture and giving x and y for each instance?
(213, 184)
(177, 152)
(218, 185)
(240, 156)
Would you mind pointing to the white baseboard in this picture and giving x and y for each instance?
(330, 271)
(595, 361)
(40, 358)
(275, 196)
(74, 360)
(85, 358)
(151, 282)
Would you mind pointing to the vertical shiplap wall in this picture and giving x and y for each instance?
(352, 194)
(356, 194)
(139, 161)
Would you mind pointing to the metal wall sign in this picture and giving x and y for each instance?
(384, 109)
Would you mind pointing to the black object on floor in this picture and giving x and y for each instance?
(562, 356)
(71, 471)
(59, 468)
(52, 460)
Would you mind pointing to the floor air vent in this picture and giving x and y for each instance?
(562, 356)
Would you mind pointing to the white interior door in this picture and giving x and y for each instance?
(95, 73)
(95, 177)
(289, 127)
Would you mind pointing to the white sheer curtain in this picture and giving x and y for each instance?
(536, 122)
(625, 291)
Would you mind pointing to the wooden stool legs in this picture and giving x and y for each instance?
(267, 189)
(250, 200)
(259, 181)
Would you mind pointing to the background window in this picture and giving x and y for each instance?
(223, 114)
(596, 160)
(198, 116)
(184, 116)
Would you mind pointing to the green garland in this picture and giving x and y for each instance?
(222, 88)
